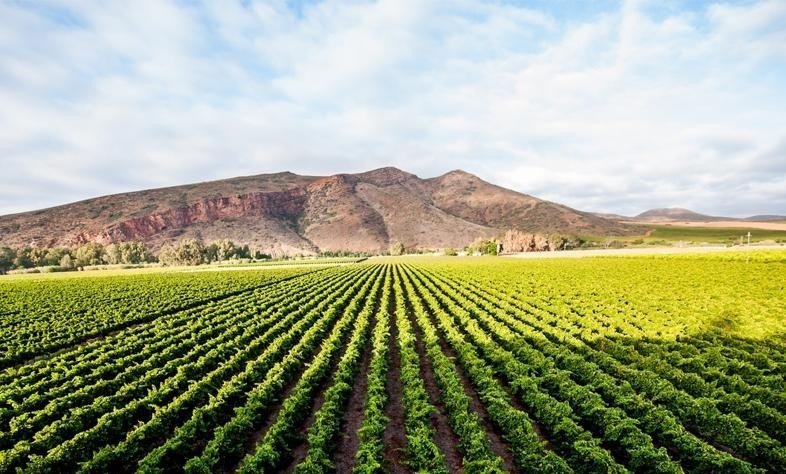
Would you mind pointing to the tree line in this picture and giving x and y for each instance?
(66, 258)
(194, 252)
(516, 241)
(184, 252)
(511, 241)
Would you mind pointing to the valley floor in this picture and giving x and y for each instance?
(669, 250)
(719, 224)
(439, 365)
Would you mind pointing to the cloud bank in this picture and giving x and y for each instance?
(613, 107)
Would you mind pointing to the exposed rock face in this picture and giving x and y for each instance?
(287, 214)
(285, 206)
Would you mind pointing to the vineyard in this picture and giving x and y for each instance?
(439, 365)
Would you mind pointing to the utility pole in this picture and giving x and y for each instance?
(749, 238)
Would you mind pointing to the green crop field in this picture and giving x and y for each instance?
(663, 234)
(674, 233)
(440, 365)
(291, 262)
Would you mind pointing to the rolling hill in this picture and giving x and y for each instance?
(677, 214)
(285, 213)
(668, 214)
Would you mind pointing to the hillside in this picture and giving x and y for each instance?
(766, 218)
(612, 216)
(674, 214)
(285, 213)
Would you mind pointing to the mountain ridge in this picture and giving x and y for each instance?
(678, 214)
(285, 213)
(674, 214)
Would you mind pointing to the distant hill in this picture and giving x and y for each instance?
(285, 213)
(613, 217)
(766, 218)
(674, 214)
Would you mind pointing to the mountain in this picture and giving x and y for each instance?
(765, 218)
(285, 213)
(612, 216)
(675, 214)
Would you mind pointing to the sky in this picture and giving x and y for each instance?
(607, 106)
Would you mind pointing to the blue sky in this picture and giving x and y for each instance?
(604, 106)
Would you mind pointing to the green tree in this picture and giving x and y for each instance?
(54, 255)
(190, 252)
(66, 261)
(112, 254)
(450, 252)
(483, 246)
(90, 253)
(22, 258)
(134, 252)
(243, 252)
(7, 256)
(223, 249)
(167, 255)
(396, 248)
(37, 256)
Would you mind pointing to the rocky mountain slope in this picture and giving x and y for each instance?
(285, 213)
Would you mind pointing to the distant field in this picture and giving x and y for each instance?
(695, 234)
(771, 252)
(769, 225)
(290, 262)
(106, 270)
(662, 364)
(674, 233)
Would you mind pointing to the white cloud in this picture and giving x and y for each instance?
(632, 108)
